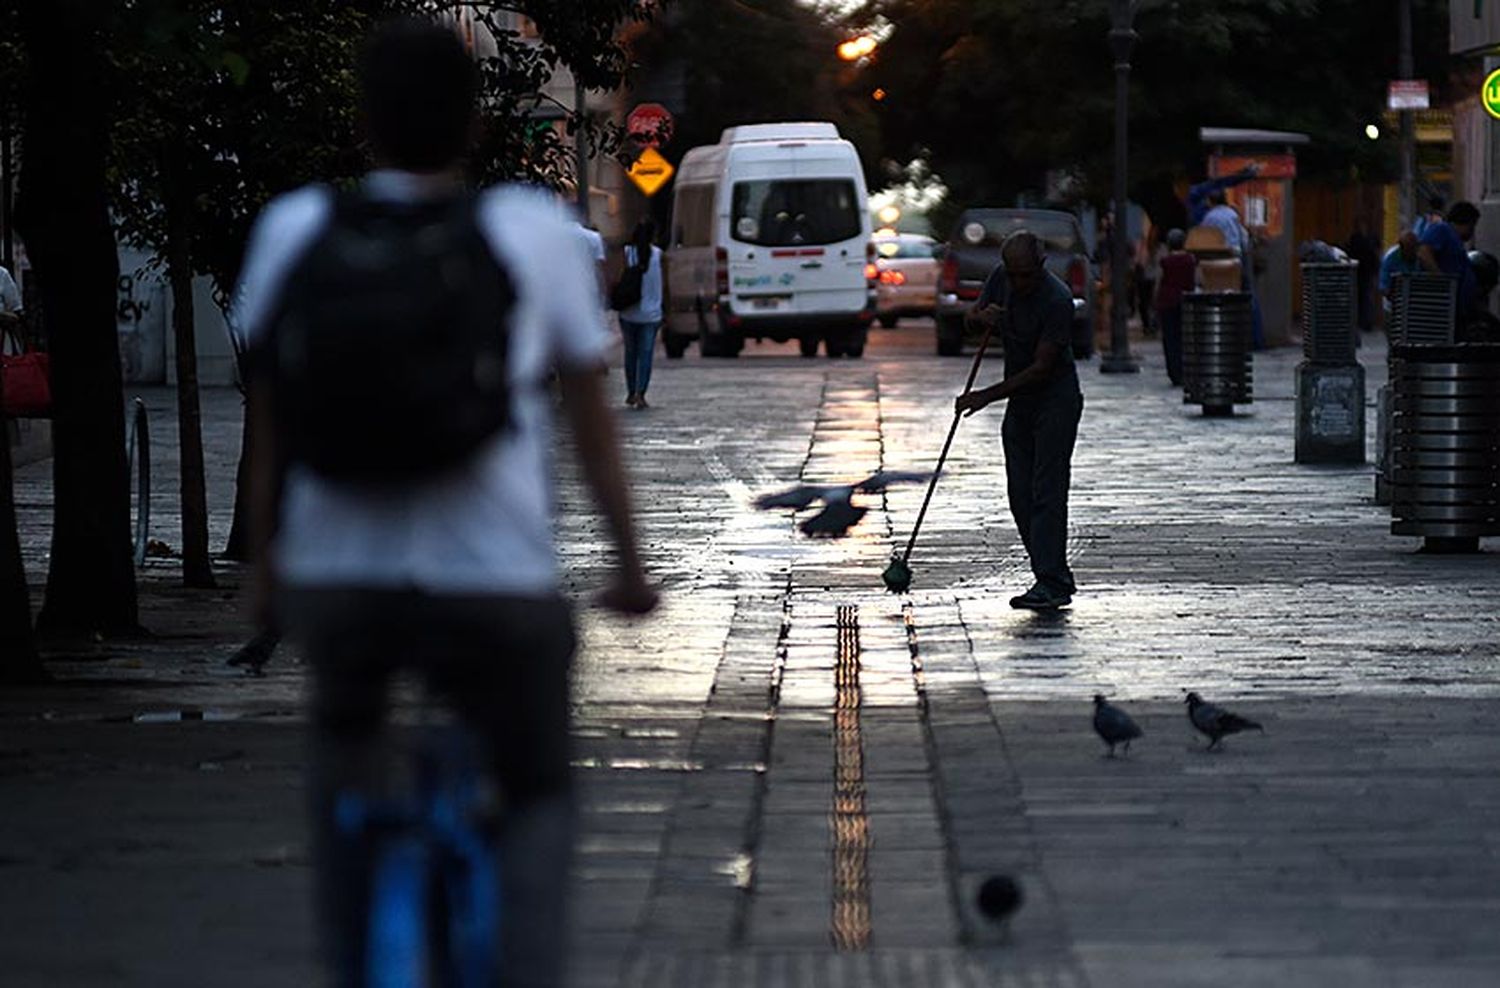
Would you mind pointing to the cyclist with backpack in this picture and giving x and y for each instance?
(637, 297)
(401, 337)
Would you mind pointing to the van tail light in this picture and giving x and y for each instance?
(721, 271)
(1078, 277)
(872, 273)
(948, 277)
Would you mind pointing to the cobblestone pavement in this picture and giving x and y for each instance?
(791, 777)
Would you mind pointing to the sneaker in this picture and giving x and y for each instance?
(640, 401)
(631, 399)
(1039, 598)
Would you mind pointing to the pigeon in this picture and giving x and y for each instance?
(1114, 725)
(256, 652)
(839, 513)
(1216, 723)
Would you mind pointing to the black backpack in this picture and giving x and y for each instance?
(389, 354)
(627, 291)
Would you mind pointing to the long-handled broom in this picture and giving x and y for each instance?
(897, 575)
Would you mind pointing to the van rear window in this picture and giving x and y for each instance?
(782, 212)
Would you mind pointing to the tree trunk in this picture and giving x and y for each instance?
(19, 662)
(238, 546)
(197, 570)
(63, 213)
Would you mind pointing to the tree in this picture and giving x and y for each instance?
(63, 214)
(995, 93)
(717, 64)
(223, 104)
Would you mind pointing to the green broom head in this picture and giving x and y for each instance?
(897, 575)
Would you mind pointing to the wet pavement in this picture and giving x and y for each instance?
(789, 776)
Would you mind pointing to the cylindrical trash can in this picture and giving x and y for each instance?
(1445, 444)
(1330, 301)
(1216, 338)
(1424, 308)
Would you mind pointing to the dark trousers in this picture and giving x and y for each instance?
(502, 664)
(1038, 435)
(1171, 341)
(640, 347)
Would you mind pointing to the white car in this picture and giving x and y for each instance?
(905, 276)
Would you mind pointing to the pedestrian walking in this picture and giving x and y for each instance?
(1179, 275)
(639, 323)
(1044, 405)
(401, 338)
(1364, 249)
(1148, 255)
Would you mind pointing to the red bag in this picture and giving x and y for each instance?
(26, 386)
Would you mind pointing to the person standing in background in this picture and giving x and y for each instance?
(1365, 249)
(640, 322)
(1179, 275)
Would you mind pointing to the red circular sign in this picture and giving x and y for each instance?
(649, 125)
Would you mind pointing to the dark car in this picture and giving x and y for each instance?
(973, 251)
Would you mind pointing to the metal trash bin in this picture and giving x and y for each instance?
(1330, 381)
(1424, 309)
(1330, 313)
(1445, 444)
(1216, 351)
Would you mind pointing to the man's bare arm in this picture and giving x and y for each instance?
(598, 452)
(1428, 259)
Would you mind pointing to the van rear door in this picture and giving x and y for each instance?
(797, 244)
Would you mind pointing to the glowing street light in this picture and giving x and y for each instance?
(856, 48)
(1372, 132)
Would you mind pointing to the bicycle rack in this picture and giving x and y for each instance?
(138, 458)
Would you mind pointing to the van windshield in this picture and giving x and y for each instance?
(784, 212)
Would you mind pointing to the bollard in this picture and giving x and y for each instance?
(1330, 381)
(1216, 358)
(1445, 444)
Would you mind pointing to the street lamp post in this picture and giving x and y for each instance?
(1406, 70)
(1121, 41)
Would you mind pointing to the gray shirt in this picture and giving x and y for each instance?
(1046, 315)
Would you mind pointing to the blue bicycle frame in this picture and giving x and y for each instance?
(434, 895)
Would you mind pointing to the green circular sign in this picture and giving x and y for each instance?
(1490, 94)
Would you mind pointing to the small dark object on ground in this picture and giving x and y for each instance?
(999, 897)
(1214, 722)
(1114, 725)
(256, 652)
(897, 575)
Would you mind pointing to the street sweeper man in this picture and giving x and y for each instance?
(1032, 311)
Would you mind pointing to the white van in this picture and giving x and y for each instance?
(770, 239)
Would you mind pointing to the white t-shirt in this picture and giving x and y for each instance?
(10, 295)
(485, 528)
(593, 240)
(648, 309)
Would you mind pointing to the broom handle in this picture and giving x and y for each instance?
(943, 456)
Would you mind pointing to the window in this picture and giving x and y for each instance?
(788, 212)
(693, 226)
(1060, 231)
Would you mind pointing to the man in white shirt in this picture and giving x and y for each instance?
(454, 575)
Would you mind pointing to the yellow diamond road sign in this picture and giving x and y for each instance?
(650, 171)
